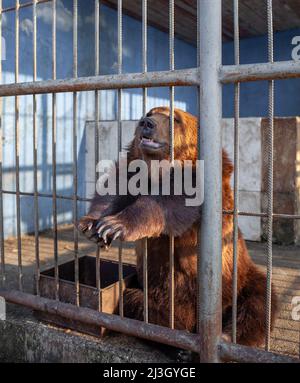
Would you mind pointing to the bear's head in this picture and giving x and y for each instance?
(152, 136)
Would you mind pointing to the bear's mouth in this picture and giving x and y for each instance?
(147, 142)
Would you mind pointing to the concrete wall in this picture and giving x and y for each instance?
(286, 185)
(250, 173)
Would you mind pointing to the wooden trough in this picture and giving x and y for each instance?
(88, 293)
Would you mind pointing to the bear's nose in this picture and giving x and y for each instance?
(147, 122)
(148, 126)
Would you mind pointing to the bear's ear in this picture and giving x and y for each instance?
(227, 167)
(179, 116)
(149, 114)
(160, 110)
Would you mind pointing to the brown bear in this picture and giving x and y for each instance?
(131, 218)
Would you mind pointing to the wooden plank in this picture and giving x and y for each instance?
(286, 14)
(253, 20)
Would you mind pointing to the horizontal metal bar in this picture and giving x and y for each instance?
(243, 354)
(182, 77)
(263, 215)
(24, 5)
(132, 327)
(82, 199)
(45, 195)
(176, 338)
(263, 71)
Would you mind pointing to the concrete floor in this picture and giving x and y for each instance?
(286, 274)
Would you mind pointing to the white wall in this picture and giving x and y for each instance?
(250, 166)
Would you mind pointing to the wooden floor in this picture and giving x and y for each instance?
(286, 274)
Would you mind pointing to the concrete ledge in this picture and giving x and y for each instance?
(24, 339)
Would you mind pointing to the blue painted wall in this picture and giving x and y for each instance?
(254, 96)
(253, 101)
(132, 99)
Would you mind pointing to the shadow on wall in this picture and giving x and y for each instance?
(132, 100)
(64, 158)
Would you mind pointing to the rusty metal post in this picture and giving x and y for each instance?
(2, 248)
(35, 152)
(210, 265)
(236, 173)
(270, 180)
(74, 141)
(97, 118)
(17, 146)
(171, 133)
(54, 137)
(119, 114)
(145, 68)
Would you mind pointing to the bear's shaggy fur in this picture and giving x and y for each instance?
(131, 218)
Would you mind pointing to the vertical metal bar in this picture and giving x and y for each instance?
(145, 50)
(54, 201)
(270, 177)
(3, 274)
(236, 172)
(35, 141)
(171, 239)
(172, 67)
(97, 72)
(210, 286)
(144, 59)
(198, 157)
(120, 63)
(75, 181)
(17, 148)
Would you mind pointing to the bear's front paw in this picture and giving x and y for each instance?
(112, 227)
(88, 226)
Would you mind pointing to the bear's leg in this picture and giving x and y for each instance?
(251, 310)
(133, 300)
(133, 308)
